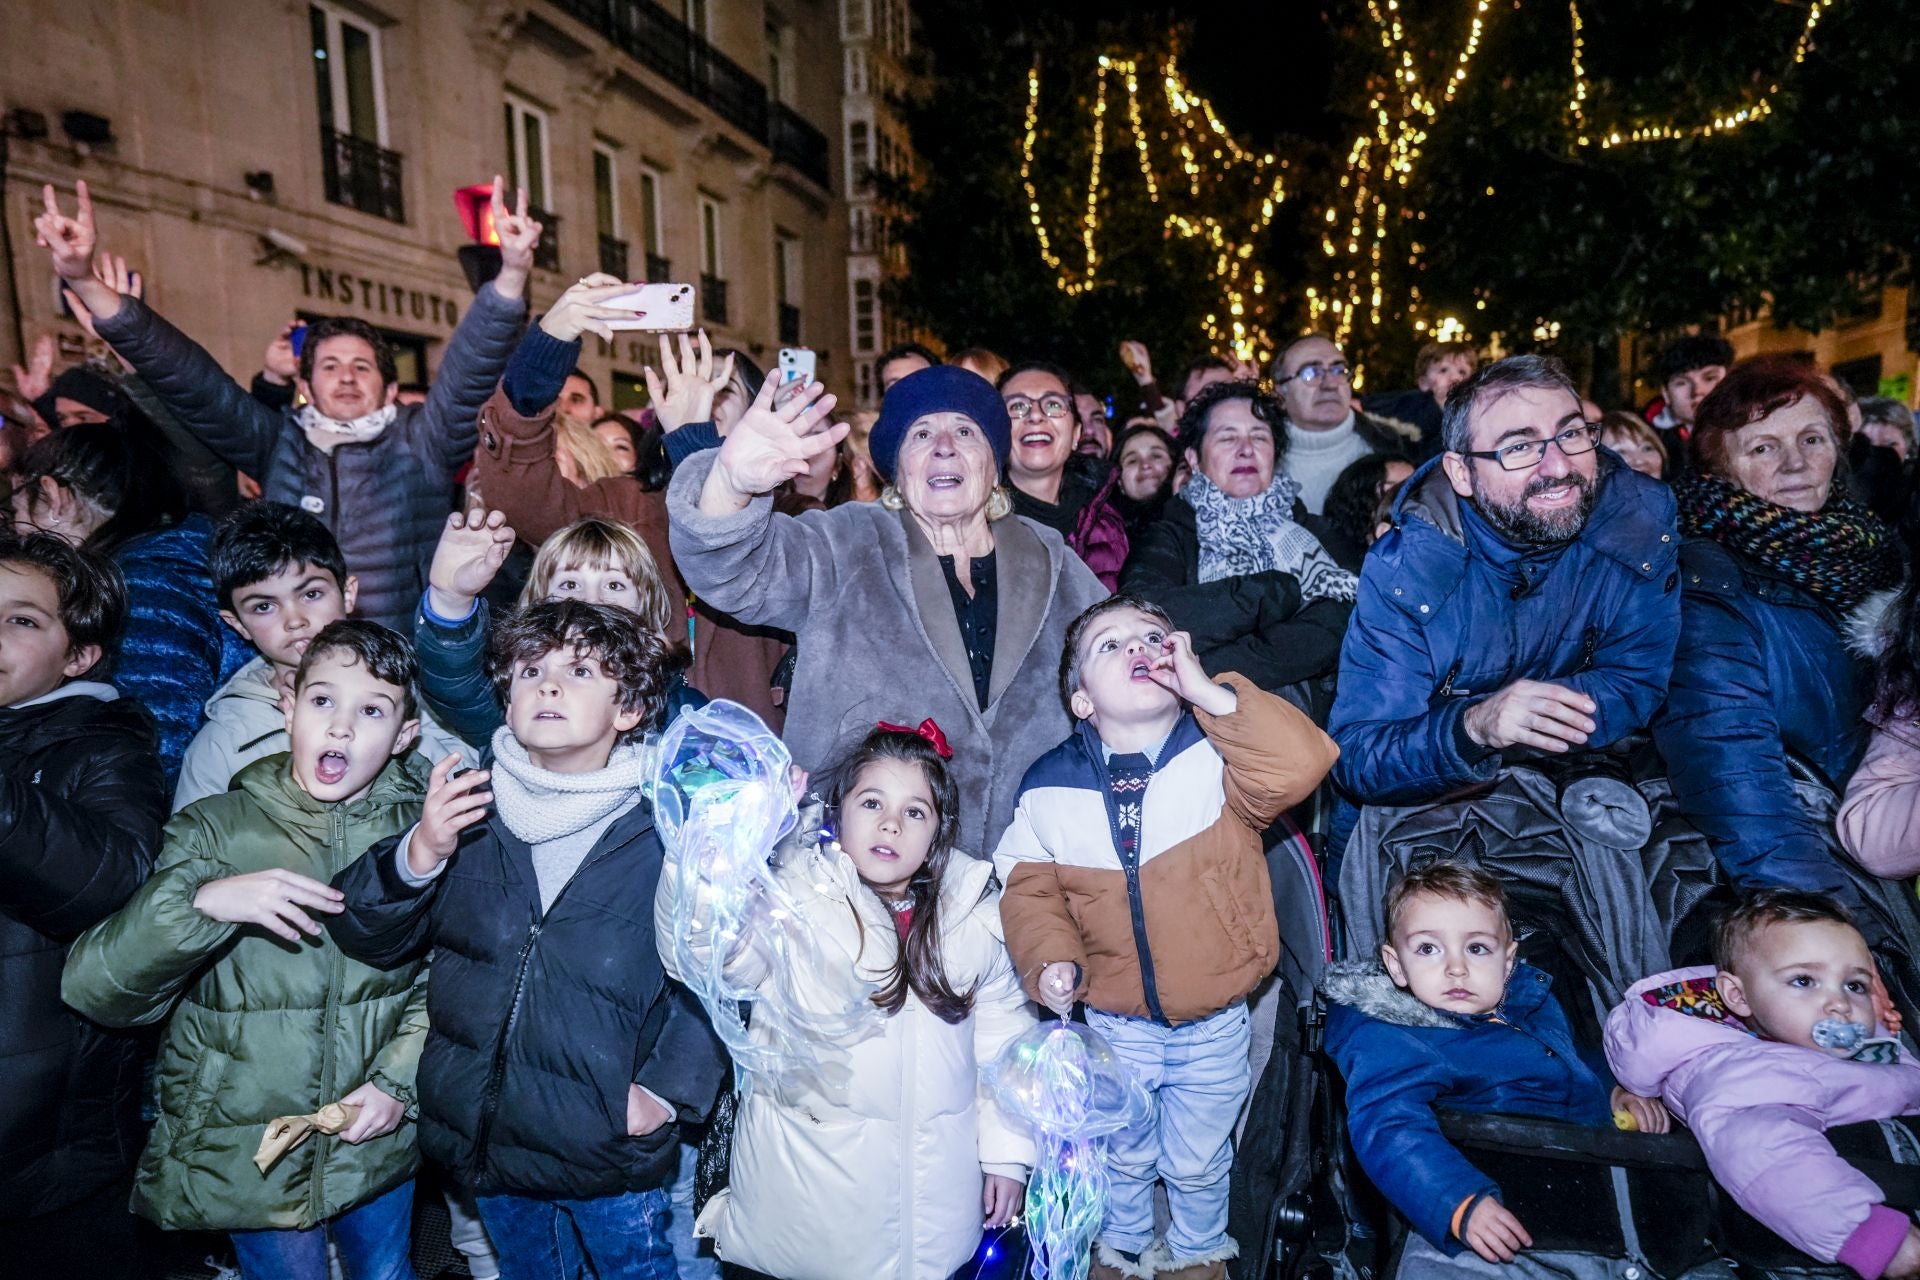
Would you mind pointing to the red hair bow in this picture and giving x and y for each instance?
(928, 730)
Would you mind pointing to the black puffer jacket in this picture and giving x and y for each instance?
(537, 1025)
(384, 500)
(82, 799)
(1254, 623)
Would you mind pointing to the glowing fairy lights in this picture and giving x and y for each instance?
(1722, 122)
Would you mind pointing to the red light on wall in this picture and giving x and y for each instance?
(475, 204)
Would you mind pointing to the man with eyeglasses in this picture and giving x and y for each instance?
(1523, 604)
(1325, 433)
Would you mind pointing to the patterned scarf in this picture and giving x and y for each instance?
(325, 433)
(1239, 536)
(1839, 554)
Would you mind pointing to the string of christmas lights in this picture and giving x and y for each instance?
(1722, 122)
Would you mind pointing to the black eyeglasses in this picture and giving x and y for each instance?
(1312, 373)
(1526, 454)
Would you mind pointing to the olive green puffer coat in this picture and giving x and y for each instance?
(260, 1027)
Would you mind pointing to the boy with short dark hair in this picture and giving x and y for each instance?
(82, 797)
(1149, 820)
(559, 1053)
(1449, 1016)
(281, 580)
(265, 1018)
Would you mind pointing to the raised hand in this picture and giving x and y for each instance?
(110, 269)
(471, 550)
(770, 446)
(1242, 370)
(519, 234)
(35, 378)
(1139, 364)
(579, 309)
(277, 900)
(380, 1113)
(279, 365)
(453, 805)
(69, 242)
(1178, 668)
(684, 389)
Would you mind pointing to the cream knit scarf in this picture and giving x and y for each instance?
(538, 805)
(325, 434)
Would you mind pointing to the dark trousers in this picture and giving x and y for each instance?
(88, 1239)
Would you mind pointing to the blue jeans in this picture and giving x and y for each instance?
(621, 1237)
(372, 1239)
(1199, 1078)
(693, 1261)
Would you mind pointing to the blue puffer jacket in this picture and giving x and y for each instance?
(1763, 672)
(175, 651)
(1401, 1059)
(453, 675)
(384, 500)
(1450, 612)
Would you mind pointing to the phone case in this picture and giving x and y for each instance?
(667, 308)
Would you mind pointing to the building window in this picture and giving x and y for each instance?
(650, 236)
(865, 331)
(346, 69)
(695, 13)
(606, 190)
(855, 19)
(902, 28)
(778, 61)
(711, 262)
(859, 158)
(527, 151)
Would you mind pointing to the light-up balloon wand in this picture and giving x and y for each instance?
(1064, 1081)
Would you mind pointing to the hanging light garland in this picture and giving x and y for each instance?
(1722, 122)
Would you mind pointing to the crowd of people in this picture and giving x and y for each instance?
(327, 707)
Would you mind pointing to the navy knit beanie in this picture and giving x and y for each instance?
(943, 388)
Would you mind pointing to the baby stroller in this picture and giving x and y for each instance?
(1597, 918)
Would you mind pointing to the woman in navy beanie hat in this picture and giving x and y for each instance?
(934, 603)
(943, 388)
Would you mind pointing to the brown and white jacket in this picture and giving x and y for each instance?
(1187, 927)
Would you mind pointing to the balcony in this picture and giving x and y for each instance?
(546, 254)
(362, 175)
(613, 256)
(789, 325)
(797, 143)
(662, 43)
(659, 270)
(713, 298)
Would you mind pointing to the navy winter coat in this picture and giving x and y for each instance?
(175, 651)
(1449, 612)
(538, 1023)
(384, 500)
(1763, 672)
(1401, 1059)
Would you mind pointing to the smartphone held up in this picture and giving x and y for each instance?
(657, 308)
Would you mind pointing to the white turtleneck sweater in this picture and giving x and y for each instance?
(1316, 458)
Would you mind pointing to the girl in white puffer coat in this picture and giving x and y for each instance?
(899, 1174)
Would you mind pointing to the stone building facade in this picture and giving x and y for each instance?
(262, 159)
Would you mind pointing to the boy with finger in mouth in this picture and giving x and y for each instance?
(265, 1016)
(1136, 881)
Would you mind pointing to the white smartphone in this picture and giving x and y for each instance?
(657, 308)
(796, 366)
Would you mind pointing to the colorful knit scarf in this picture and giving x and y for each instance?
(1838, 554)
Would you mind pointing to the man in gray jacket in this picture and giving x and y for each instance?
(378, 474)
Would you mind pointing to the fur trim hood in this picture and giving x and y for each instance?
(1364, 986)
(1868, 628)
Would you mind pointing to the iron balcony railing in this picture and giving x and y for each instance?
(362, 175)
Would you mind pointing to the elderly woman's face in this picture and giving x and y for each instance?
(1236, 453)
(1787, 457)
(946, 468)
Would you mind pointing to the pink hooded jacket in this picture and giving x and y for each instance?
(1879, 821)
(1760, 1110)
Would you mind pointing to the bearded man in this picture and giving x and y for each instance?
(1524, 602)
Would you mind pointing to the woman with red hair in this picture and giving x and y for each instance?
(1776, 556)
